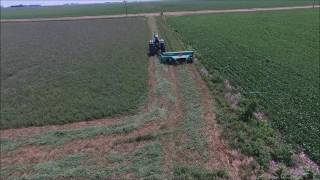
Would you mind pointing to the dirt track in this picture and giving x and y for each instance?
(178, 13)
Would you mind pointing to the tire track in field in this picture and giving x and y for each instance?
(173, 151)
(31, 131)
(98, 145)
(177, 13)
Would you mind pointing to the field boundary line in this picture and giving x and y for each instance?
(177, 13)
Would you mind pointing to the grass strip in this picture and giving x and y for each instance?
(193, 121)
(144, 162)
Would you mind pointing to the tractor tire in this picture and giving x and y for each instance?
(190, 61)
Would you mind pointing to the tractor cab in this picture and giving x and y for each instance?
(156, 45)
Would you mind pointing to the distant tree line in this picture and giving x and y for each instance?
(21, 5)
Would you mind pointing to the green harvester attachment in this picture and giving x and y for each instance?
(176, 57)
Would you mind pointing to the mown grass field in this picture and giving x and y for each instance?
(273, 57)
(60, 72)
(142, 7)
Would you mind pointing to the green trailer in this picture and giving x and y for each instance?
(176, 57)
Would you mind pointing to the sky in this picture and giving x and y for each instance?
(7, 3)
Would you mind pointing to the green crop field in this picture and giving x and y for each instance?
(59, 72)
(165, 5)
(271, 56)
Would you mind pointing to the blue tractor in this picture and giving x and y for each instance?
(156, 45)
